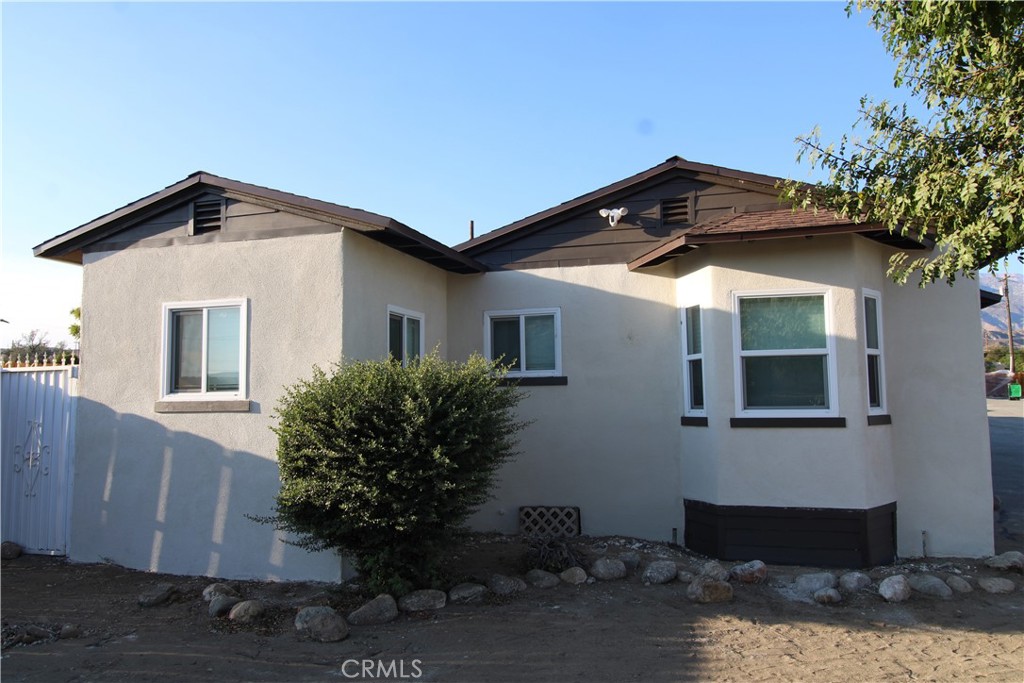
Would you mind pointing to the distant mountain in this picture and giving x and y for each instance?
(993, 318)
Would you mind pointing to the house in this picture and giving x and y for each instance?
(705, 366)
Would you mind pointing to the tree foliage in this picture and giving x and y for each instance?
(954, 175)
(32, 344)
(75, 328)
(385, 463)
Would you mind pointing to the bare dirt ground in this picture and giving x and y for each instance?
(614, 631)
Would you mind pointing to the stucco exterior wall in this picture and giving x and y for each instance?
(376, 277)
(781, 467)
(608, 441)
(934, 457)
(940, 440)
(170, 492)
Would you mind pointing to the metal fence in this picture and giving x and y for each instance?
(37, 444)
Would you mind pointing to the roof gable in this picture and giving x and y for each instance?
(69, 246)
(715, 204)
(661, 202)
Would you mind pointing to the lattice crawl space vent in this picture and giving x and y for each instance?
(546, 521)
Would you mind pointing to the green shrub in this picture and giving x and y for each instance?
(385, 463)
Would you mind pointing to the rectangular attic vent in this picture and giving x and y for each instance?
(207, 216)
(675, 211)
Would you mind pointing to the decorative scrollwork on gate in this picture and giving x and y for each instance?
(31, 459)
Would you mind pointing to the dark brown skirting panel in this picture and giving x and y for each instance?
(821, 537)
(693, 421)
(879, 420)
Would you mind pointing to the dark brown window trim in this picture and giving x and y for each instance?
(536, 381)
(787, 422)
(242, 406)
(879, 420)
(693, 421)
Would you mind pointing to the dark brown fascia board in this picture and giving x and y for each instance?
(68, 246)
(988, 297)
(72, 240)
(688, 242)
(672, 247)
(702, 172)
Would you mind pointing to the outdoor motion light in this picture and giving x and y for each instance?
(613, 215)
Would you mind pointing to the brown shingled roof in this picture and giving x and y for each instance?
(770, 224)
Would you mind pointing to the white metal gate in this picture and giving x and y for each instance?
(37, 437)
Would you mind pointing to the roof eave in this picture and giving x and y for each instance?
(69, 246)
(682, 244)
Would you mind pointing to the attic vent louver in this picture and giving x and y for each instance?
(675, 211)
(207, 216)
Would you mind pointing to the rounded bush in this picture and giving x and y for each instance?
(385, 463)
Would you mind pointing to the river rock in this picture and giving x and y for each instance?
(996, 585)
(1010, 560)
(505, 585)
(930, 585)
(894, 588)
(70, 631)
(219, 589)
(321, 623)
(247, 611)
(959, 584)
(9, 550)
(422, 600)
(812, 583)
(660, 571)
(574, 576)
(683, 576)
(712, 569)
(467, 592)
(608, 569)
(158, 596)
(851, 582)
(381, 610)
(705, 589)
(538, 578)
(754, 571)
(222, 604)
(827, 596)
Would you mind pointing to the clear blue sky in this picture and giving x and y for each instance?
(433, 114)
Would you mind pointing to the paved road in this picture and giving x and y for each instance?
(1006, 429)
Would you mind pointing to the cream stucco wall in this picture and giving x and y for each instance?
(608, 441)
(170, 492)
(933, 460)
(782, 467)
(376, 277)
(940, 441)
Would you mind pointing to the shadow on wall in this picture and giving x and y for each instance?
(165, 500)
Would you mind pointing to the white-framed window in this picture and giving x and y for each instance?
(204, 350)
(405, 334)
(873, 351)
(785, 364)
(693, 362)
(528, 341)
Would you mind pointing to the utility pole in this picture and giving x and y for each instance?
(1009, 315)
